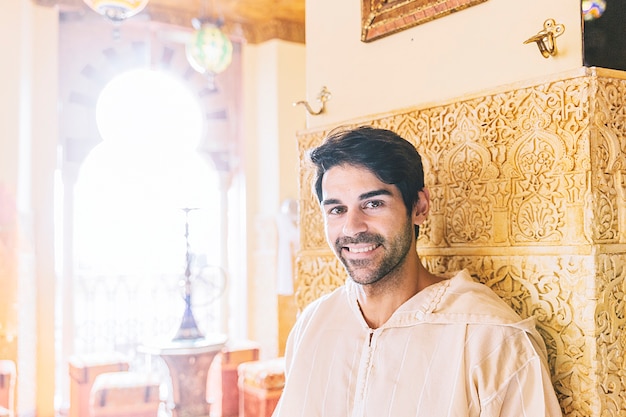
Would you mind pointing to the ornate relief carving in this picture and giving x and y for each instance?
(538, 204)
(317, 274)
(610, 316)
(311, 234)
(528, 191)
(607, 158)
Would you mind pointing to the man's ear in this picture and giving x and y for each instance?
(421, 207)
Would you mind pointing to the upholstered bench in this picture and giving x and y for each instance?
(260, 386)
(83, 371)
(125, 394)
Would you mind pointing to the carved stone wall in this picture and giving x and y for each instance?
(528, 188)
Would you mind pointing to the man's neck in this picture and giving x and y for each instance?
(379, 301)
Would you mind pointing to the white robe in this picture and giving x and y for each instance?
(453, 349)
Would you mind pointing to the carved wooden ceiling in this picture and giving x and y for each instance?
(253, 20)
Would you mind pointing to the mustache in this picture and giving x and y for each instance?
(360, 238)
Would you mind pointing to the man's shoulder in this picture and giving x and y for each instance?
(467, 297)
(469, 301)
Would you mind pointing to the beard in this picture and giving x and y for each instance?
(371, 270)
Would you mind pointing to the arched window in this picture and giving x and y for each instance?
(143, 199)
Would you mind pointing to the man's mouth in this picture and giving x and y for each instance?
(361, 249)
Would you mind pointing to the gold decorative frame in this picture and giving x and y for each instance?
(380, 18)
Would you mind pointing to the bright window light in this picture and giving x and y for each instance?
(149, 108)
(129, 229)
(133, 186)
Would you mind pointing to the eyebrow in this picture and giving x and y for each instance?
(362, 197)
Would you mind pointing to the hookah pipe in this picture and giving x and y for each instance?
(188, 329)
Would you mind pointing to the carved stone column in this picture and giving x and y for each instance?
(529, 194)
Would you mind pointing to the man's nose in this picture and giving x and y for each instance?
(354, 223)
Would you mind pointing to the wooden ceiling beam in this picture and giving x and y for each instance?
(254, 21)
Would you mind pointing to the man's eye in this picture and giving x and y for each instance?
(373, 204)
(336, 210)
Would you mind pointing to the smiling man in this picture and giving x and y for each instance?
(397, 340)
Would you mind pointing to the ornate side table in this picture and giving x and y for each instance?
(188, 362)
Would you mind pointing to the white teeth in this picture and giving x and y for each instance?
(361, 250)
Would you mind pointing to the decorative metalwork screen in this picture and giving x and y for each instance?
(121, 312)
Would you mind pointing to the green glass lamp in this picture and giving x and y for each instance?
(209, 51)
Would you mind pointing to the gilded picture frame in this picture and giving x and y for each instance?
(380, 18)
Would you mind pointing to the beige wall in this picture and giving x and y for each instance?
(9, 156)
(44, 160)
(273, 80)
(471, 50)
(27, 159)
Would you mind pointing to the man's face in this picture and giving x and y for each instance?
(366, 222)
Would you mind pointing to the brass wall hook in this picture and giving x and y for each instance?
(545, 39)
(323, 96)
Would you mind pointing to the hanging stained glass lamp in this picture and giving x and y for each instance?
(209, 50)
(117, 10)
